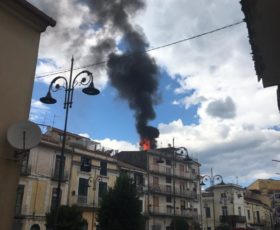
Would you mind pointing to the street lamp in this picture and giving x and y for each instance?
(69, 86)
(212, 178)
(92, 181)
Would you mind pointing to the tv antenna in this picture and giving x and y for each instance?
(23, 136)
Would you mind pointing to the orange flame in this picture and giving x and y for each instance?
(145, 144)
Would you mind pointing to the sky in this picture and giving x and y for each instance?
(208, 97)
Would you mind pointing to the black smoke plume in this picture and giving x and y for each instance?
(134, 74)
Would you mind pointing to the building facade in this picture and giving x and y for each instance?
(223, 204)
(20, 26)
(235, 206)
(259, 214)
(88, 171)
(173, 188)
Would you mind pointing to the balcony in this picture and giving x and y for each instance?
(84, 202)
(233, 219)
(65, 176)
(165, 170)
(169, 212)
(168, 190)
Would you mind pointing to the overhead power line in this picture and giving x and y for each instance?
(146, 51)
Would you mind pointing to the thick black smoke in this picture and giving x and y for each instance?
(134, 74)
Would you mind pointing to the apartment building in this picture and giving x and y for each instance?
(173, 188)
(88, 171)
(223, 203)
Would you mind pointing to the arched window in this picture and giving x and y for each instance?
(35, 227)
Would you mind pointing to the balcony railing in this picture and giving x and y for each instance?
(169, 211)
(169, 191)
(65, 176)
(83, 201)
(232, 219)
(169, 171)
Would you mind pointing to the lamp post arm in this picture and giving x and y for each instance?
(84, 81)
(55, 87)
(218, 178)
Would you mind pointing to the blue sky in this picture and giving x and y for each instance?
(108, 116)
(211, 101)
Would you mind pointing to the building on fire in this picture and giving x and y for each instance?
(172, 188)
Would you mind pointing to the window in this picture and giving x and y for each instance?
(181, 167)
(57, 166)
(258, 217)
(102, 188)
(183, 204)
(82, 191)
(19, 198)
(168, 199)
(55, 197)
(168, 179)
(168, 188)
(103, 168)
(207, 212)
(85, 164)
(168, 209)
(168, 162)
(248, 214)
(139, 179)
(155, 181)
(35, 227)
(239, 211)
(223, 195)
(156, 201)
(224, 211)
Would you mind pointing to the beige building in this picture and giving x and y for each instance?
(89, 170)
(20, 27)
(258, 212)
(223, 203)
(172, 185)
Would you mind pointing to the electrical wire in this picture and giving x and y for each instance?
(146, 51)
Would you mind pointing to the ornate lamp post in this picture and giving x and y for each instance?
(69, 86)
(212, 178)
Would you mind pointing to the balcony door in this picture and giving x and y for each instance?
(82, 191)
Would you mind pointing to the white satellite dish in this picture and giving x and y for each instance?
(24, 135)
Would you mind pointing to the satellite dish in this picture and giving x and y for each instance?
(24, 135)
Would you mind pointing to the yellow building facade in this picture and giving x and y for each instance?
(20, 27)
(88, 171)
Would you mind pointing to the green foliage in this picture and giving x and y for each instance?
(120, 207)
(223, 227)
(180, 223)
(69, 218)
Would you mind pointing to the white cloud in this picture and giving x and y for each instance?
(118, 144)
(84, 135)
(38, 111)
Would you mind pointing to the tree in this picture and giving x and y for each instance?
(180, 223)
(68, 218)
(120, 207)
